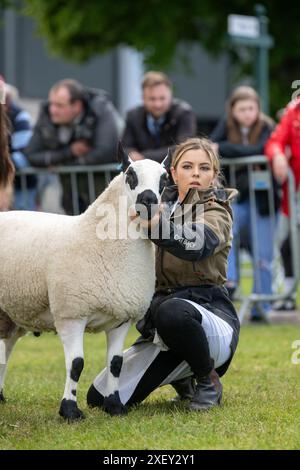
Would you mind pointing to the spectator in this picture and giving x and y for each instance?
(78, 126)
(241, 133)
(20, 135)
(161, 122)
(6, 165)
(283, 150)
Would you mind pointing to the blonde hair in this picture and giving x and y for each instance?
(199, 143)
(152, 79)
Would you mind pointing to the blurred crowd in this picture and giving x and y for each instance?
(79, 126)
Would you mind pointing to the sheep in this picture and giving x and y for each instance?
(58, 274)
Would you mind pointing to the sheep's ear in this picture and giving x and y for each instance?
(123, 158)
(166, 163)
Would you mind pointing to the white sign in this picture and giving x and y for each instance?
(241, 25)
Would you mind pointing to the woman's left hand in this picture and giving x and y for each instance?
(155, 219)
(150, 223)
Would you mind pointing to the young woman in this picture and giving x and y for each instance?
(243, 133)
(191, 327)
(6, 165)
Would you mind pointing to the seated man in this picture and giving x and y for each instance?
(77, 126)
(161, 122)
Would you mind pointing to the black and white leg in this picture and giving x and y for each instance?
(71, 334)
(115, 345)
(6, 347)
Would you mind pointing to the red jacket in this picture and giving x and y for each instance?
(287, 133)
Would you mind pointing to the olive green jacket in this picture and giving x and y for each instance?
(193, 242)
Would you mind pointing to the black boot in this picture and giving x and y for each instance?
(208, 393)
(185, 389)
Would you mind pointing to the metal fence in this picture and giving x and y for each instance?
(259, 179)
(108, 171)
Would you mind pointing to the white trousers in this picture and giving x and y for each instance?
(139, 357)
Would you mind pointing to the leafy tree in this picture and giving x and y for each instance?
(78, 31)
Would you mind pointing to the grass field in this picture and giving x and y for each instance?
(261, 406)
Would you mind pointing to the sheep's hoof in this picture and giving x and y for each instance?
(113, 406)
(2, 399)
(70, 411)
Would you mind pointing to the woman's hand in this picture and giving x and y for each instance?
(145, 223)
(280, 167)
(150, 223)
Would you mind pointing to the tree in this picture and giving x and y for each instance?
(78, 31)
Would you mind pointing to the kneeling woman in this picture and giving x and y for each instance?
(190, 332)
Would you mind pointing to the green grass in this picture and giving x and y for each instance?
(261, 406)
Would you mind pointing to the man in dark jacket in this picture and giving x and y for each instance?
(160, 123)
(77, 126)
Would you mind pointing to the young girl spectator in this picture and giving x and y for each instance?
(243, 133)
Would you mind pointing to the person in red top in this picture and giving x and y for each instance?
(286, 134)
(283, 150)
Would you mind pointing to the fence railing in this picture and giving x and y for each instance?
(108, 171)
(260, 179)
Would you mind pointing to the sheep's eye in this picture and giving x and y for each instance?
(131, 178)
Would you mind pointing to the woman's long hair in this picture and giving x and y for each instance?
(234, 134)
(7, 170)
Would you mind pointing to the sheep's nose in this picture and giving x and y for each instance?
(146, 204)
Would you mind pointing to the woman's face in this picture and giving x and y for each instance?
(194, 170)
(245, 112)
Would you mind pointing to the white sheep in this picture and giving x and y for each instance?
(57, 274)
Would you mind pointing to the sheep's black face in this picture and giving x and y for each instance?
(145, 180)
(146, 204)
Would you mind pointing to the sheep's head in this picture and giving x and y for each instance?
(144, 183)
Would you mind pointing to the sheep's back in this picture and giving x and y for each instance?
(58, 261)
